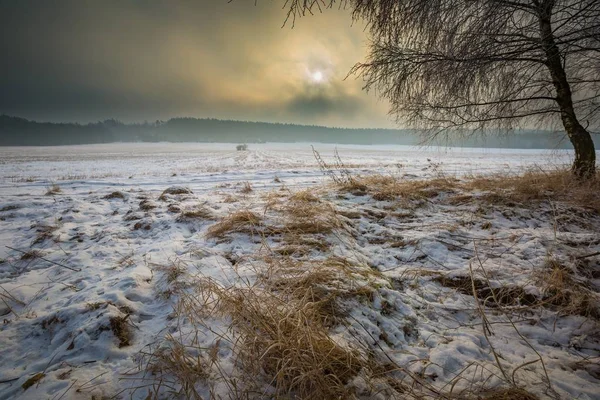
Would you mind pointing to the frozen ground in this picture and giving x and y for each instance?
(58, 322)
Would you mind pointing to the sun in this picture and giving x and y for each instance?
(317, 76)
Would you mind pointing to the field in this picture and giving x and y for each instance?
(153, 271)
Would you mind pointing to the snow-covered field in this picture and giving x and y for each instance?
(93, 259)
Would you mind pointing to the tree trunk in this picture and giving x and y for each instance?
(584, 166)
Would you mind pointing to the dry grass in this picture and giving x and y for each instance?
(172, 271)
(115, 195)
(279, 333)
(230, 199)
(281, 327)
(174, 190)
(95, 305)
(147, 205)
(305, 214)
(175, 360)
(508, 189)
(174, 208)
(199, 213)
(304, 196)
(569, 295)
(302, 243)
(126, 260)
(32, 254)
(501, 296)
(45, 232)
(389, 188)
(33, 380)
(536, 185)
(350, 214)
(246, 188)
(240, 221)
(120, 328)
(53, 189)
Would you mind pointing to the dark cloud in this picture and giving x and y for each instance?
(135, 60)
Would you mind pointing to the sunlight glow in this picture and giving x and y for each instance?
(317, 76)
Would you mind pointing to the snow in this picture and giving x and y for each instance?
(56, 320)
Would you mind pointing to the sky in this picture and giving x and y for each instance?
(136, 60)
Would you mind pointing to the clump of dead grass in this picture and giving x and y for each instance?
(172, 271)
(569, 295)
(120, 328)
(126, 260)
(389, 188)
(246, 188)
(282, 337)
(174, 208)
(230, 199)
(306, 214)
(115, 195)
(174, 190)
(240, 221)
(147, 205)
(95, 305)
(198, 213)
(304, 196)
(32, 254)
(536, 185)
(507, 189)
(44, 232)
(279, 333)
(490, 297)
(53, 189)
(173, 359)
(33, 380)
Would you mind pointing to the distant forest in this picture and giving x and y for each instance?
(16, 131)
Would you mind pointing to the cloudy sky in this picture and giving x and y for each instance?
(135, 60)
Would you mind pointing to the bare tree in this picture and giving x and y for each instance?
(475, 65)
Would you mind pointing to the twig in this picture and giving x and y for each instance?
(45, 259)
(588, 255)
(10, 296)
(10, 380)
(10, 308)
(486, 329)
(69, 388)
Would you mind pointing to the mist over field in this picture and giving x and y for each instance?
(22, 132)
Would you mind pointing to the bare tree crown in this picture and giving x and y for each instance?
(482, 64)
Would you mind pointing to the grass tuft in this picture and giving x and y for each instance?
(246, 188)
(195, 214)
(283, 338)
(570, 295)
(53, 189)
(32, 254)
(147, 205)
(120, 328)
(240, 221)
(115, 195)
(538, 185)
(174, 190)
